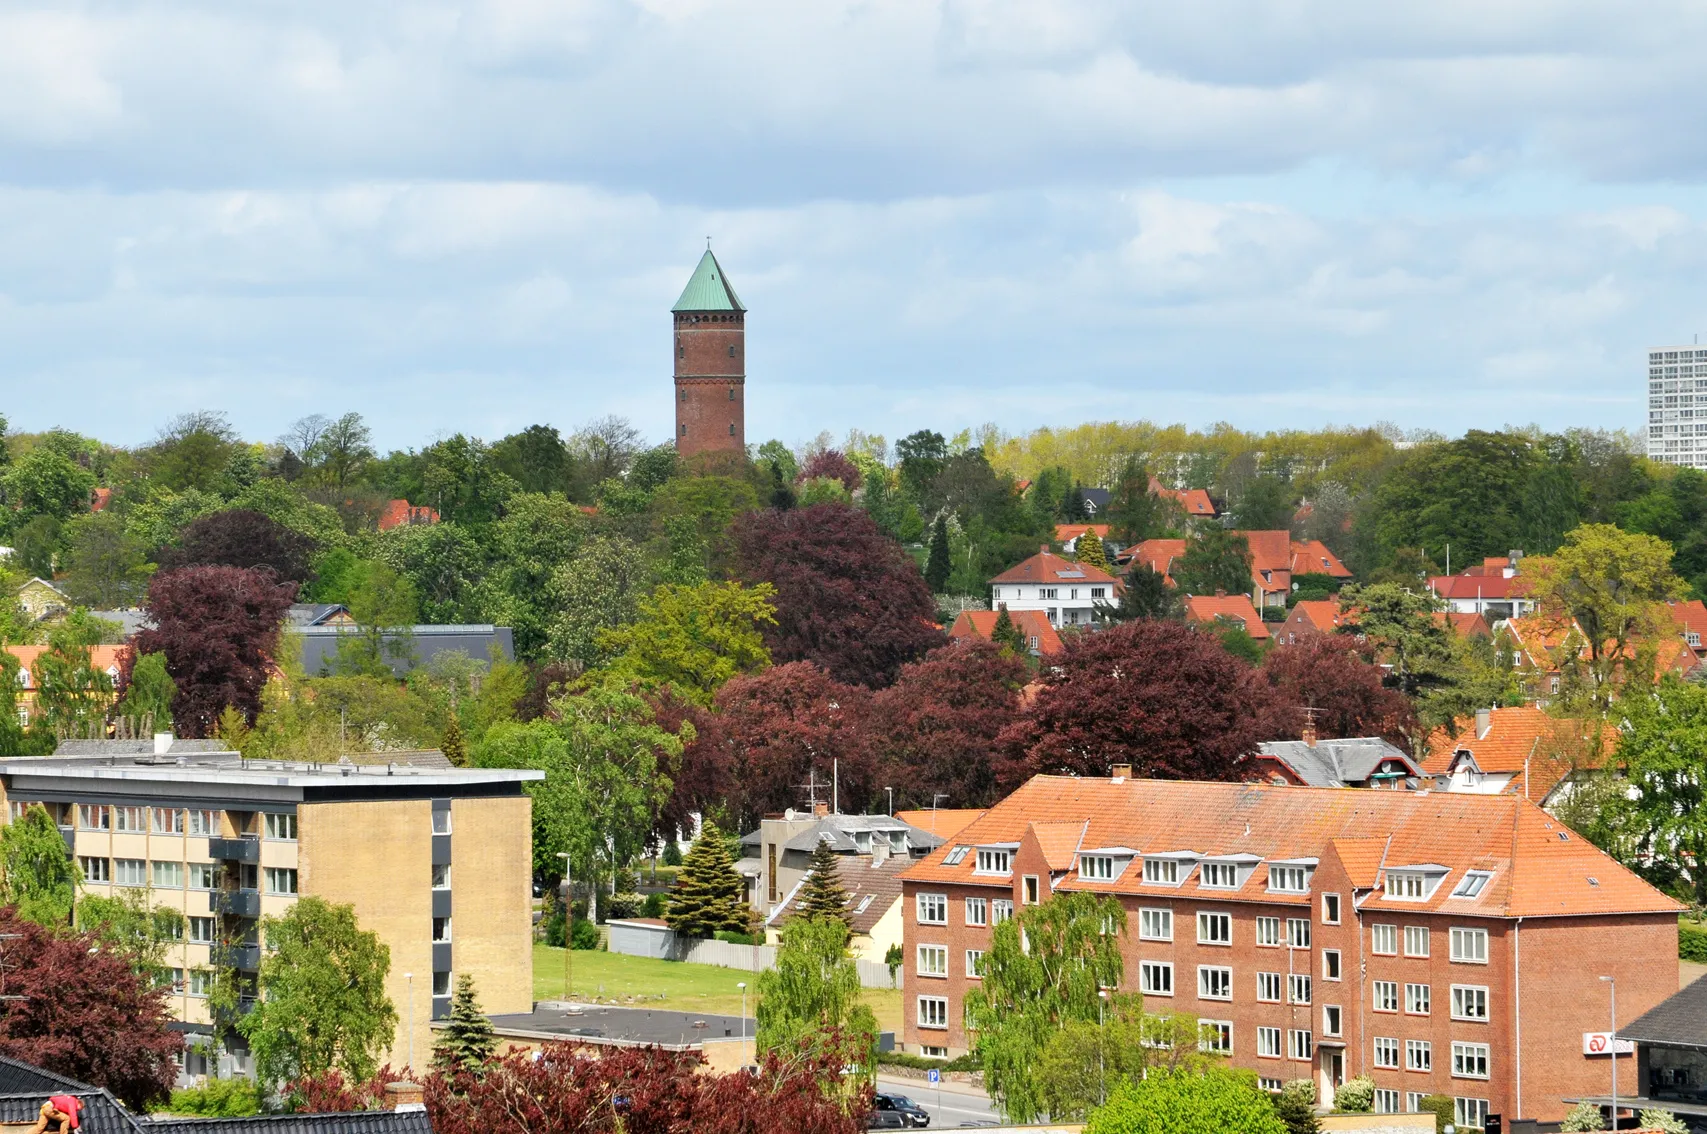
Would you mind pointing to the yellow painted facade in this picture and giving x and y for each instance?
(491, 884)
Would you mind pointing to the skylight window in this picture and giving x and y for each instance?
(1471, 884)
(956, 855)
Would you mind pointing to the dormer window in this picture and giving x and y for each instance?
(1219, 875)
(1161, 872)
(1470, 886)
(993, 861)
(1288, 879)
(1096, 867)
(1415, 883)
(24, 678)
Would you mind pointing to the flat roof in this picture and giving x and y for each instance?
(227, 769)
(607, 1023)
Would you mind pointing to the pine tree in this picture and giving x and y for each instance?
(453, 745)
(823, 895)
(1005, 633)
(708, 892)
(937, 565)
(467, 1041)
(1089, 549)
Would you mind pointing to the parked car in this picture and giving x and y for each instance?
(912, 1113)
(885, 1120)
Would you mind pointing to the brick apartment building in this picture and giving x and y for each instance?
(437, 861)
(1437, 943)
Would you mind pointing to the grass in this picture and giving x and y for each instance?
(613, 978)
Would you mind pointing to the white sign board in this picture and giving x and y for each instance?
(1602, 1043)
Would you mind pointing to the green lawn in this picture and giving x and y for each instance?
(612, 978)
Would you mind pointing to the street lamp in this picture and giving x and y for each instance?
(1102, 1071)
(568, 922)
(742, 985)
(410, 977)
(1612, 1046)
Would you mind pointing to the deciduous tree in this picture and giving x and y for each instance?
(238, 537)
(598, 589)
(1188, 1102)
(1329, 674)
(1215, 560)
(39, 880)
(831, 463)
(692, 638)
(106, 567)
(811, 1000)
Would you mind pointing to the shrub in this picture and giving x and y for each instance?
(1301, 1088)
(672, 854)
(1296, 1107)
(967, 1062)
(655, 905)
(1656, 1119)
(735, 938)
(219, 1098)
(1441, 1107)
(1692, 941)
(1355, 1096)
(584, 936)
(625, 904)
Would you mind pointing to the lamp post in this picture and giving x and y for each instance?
(410, 977)
(1612, 1046)
(1102, 1071)
(568, 922)
(742, 985)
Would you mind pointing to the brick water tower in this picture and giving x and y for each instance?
(711, 364)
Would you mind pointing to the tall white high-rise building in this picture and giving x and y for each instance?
(1677, 385)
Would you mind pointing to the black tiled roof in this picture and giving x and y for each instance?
(351, 1122)
(102, 1113)
(17, 1078)
(1680, 1020)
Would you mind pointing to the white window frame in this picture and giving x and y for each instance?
(1332, 969)
(1413, 1101)
(1155, 923)
(1214, 982)
(1330, 909)
(1333, 1020)
(1419, 1055)
(1268, 1043)
(1096, 867)
(1301, 1046)
(166, 820)
(280, 826)
(1384, 940)
(97, 869)
(1386, 1100)
(1218, 876)
(1386, 1055)
(1469, 945)
(1269, 932)
(281, 881)
(441, 821)
(1214, 928)
(1156, 978)
(162, 872)
(1384, 994)
(977, 911)
(1297, 927)
(1470, 1060)
(211, 924)
(993, 861)
(931, 908)
(931, 961)
(1219, 1033)
(130, 819)
(1001, 909)
(974, 964)
(1418, 994)
(1271, 987)
(1417, 940)
(1407, 886)
(1467, 1113)
(1298, 988)
(1161, 872)
(1470, 1002)
(1285, 879)
(1472, 884)
(208, 871)
(933, 1013)
(125, 868)
(200, 822)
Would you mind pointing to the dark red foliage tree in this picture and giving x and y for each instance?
(331, 1093)
(219, 628)
(1164, 697)
(84, 1012)
(773, 729)
(848, 597)
(935, 730)
(545, 683)
(701, 781)
(238, 537)
(1331, 674)
(830, 463)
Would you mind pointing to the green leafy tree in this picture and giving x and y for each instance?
(1147, 595)
(1400, 623)
(1134, 512)
(38, 545)
(384, 607)
(1044, 967)
(1215, 559)
(106, 567)
(1088, 548)
(1656, 822)
(72, 695)
(13, 741)
(813, 995)
(453, 745)
(1087, 1060)
(1265, 505)
(823, 894)
(148, 695)
(39, 876)
(323, 1005)
(467, 1041)
(709, 895)
(692, 638)
(937, 565)
(128, 924)
(44, 482)
(1005, 634)
(598, 589)
(1187, 1102)
(893, 959)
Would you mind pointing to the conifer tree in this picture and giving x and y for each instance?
(1005, 633)
(468, 1041)
(1089, 549)
(823, 895)
(708, 892)
(453, 745)
(937, 565)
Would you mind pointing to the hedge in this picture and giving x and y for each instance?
(1692, 941)
(967, 1062)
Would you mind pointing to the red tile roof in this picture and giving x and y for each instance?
(1540, 868)
(1033, 624)
(1312, 557)
(1194, 501)
(1047, 567)
(1691, 618)
(1066, 532)
(1493, 588)
(1234, 608)
(1320, 615)
(1159, 555)
(1538, 750)
(1465, 624)
(944, 822)
(99, 499)
(397, 513)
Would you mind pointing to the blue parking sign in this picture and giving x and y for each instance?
(936, 1076)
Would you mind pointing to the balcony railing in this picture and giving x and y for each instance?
(237, 903)
(246, 849)
(244, 957)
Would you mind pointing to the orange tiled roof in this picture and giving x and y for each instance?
(1523, 742)
(1540, 868)
(1159, 555)
(1236, 608)
(1316, 614)
(1194, 501)
(1546, 641)
(1361, 858)
(1464, 624)
(1312, 557)
(400, 512)
(1059, 840)
(1033, 624)
(1691, 618)
(944, 822)
(1492, 588)
(99, 499)
(1047, 567)
(1065, 532)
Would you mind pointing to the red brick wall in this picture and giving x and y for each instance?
(710, 369)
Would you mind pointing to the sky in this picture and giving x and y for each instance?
(470, 217)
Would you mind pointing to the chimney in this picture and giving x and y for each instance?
(1309, 734)
(1220, 592)
(162, 743)
(1120, 772)
(404, 1095)
(1043, 549)
(820, 809)
(1484, 721)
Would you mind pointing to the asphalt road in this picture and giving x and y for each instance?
(950, 1108)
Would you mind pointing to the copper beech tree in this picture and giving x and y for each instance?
(1330, 674)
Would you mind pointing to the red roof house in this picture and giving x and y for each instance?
(399, 513)
(1226, 608)
(1040, 637)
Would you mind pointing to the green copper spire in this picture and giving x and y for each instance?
(709, 289)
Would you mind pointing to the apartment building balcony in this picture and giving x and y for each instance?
(246, 957)
(246, 849)
(237, 903)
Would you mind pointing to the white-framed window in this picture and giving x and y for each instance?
(993, 861)
(1470, 886)
(1414, 1101)
(1417, 999)
(1407, 885)
(1268, 931)
(1330, 909)
(931, 1051)
(1214, 928)
(441, 983)
(1332, 1020)
(130, 872)
(1048, 592)
(1469, 1060)
(1385, 995)
(282, 880)
(1419, 1055)
(1156, 978)
(1470, 1002)
(203, 930)
(955, 855)
(441, 876)
(1214, 982)
(282, 826)
(1298, 988)
(168, 875)
(1001, 909)
(1386, 1101)
(1416, 940)
(134, 819)
(94, 817)
(1470, 1112)
(1268, 1043)
(204, 876)
(933, 1011)
(933, 960)
(1298, 932)
(96, 869)
(1288, 879)
(1469, 946)
(1384, 940)
(974, 964)
(172, 978)
(1215, 1035)
(441, 929)
(202, 822)
(201, 982)
(1269, 987)
(1273, 1086)
(1155, 924)
(1330, 964)
(1219, 875)
(1300, 1045)
(1029, 888)
(167, 820)
(1161, 871)
(1096, 867)
(932, 909)
(1387, 1052)
(441, 821)
(977, 911)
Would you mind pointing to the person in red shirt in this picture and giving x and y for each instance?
(59, 1114)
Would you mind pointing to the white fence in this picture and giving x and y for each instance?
(648, 939)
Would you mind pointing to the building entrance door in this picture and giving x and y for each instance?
(1333, 1074)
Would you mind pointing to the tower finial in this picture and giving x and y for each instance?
(708, 244)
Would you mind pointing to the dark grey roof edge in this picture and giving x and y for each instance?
(1679, 1019)
(371, 1120)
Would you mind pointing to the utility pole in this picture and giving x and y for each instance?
(568, 923)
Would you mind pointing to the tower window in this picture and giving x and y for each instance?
(684, 431)
(731, 393)
(681, 352)
(731, 429)
(731, 351)
(684, 395)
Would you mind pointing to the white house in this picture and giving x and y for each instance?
(1067, 593)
